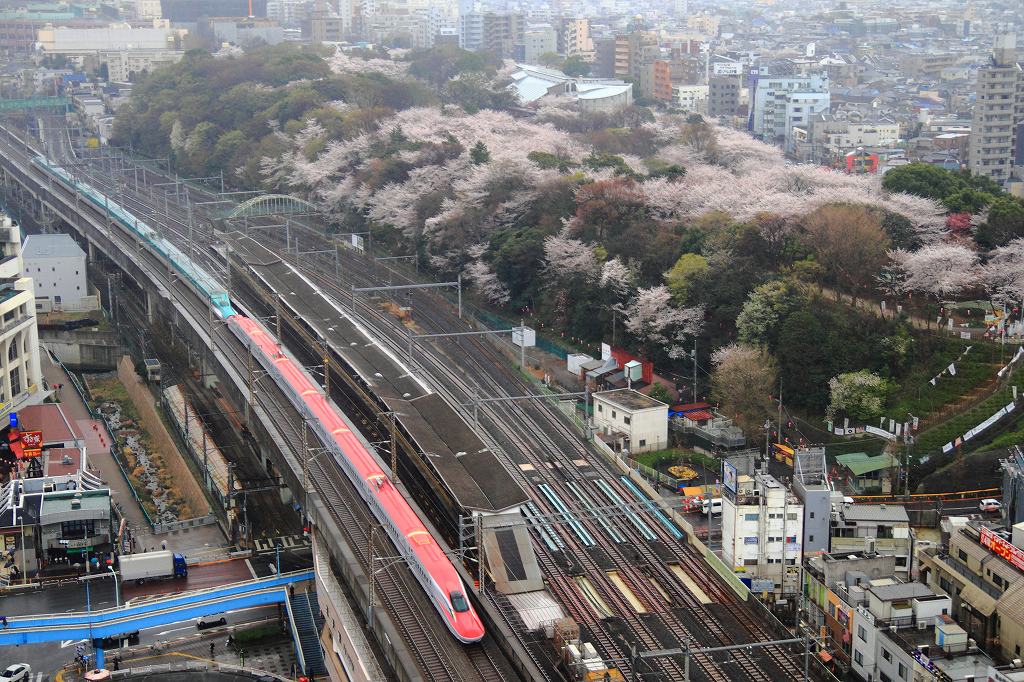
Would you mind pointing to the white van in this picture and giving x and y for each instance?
(713, 506)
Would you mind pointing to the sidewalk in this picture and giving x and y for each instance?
(276, 657)
(102, 464)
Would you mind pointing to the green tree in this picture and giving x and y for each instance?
(805, 363)
(860, 395)
(575, 67)
(1005, 223)
(687, 270)
(758, 321)
(922, 179)
(967, 200)
(743, 382)
(551, 60)
(479, 153)
(660, 392)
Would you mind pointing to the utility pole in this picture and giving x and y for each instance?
(695, 369)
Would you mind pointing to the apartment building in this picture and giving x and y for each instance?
(998, 114)
(881, 528)
(629, 420)
(781, 103)
(723, 96)
(762, 533)
(574, 38)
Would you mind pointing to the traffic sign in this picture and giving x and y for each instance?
(14, 420)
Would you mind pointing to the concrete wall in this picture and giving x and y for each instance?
(83, 348)
(187, 486)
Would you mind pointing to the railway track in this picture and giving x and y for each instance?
(485, 358)
(439, 656)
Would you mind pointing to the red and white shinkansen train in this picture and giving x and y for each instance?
(432, 568)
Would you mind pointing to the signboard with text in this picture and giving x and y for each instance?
(32, 442)
(1002, 548)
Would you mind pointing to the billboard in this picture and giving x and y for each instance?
(1001, 548)
(727, 68)
(729, 475)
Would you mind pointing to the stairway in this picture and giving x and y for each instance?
(308, 624)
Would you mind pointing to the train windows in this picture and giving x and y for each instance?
(459, 602)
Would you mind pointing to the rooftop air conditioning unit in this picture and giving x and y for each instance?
(922, 625)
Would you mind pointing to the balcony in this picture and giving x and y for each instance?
(963, 571)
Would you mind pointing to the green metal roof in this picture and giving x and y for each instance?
(860, 463)
(93, 500)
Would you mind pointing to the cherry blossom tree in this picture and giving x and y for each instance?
(651, 318)
(940, 270)
(1003, 274)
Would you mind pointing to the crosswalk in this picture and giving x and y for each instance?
(286, 541)
(37, 677)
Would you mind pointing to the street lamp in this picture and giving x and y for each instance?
(117, 587)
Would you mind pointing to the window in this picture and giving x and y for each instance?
(15, 381)
(613, 414)
(858, 658)
(883, 677)
(962, 554)
(12, 350)
(791, 516)
(902, 671)
(750, 562)
(750, 517)
(812, 515)
(810, 538)
(886, 655)
(862, 633)
(77, 529)
(626, 420)
(643, 442)
(459, 602)
(600, 407)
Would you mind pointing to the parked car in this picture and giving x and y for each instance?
(713, 507)
(990, 505)
(16, 672)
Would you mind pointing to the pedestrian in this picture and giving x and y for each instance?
(117, 662)
(211, 649)
(3, 621)
(231, 641)
(163, 544)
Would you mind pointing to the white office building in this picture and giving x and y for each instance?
(782, 103)
(56, 264)
(762, 532)
(20, 374)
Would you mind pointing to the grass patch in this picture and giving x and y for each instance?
(669, 456)
(932, 440)
(256, 634)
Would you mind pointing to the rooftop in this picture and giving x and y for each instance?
(898, 591)
(860, 463)
(875, 512)
(51, 246)
(92, 500)
(50, 419)
(628, 399)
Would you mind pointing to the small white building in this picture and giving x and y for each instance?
(57, 265)
(762, 533)
(629, 420)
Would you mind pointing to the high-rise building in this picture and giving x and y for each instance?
(723, 96)
(998, 123)
(537, 41)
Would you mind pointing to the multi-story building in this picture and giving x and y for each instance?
(501, 32)
(723, 96)
(537, 41)
(781, 102)
(762, 532)
(20, 373)
(632, 51)
(574, 38)
(1013, 486)
(983, 572)
(631, 420)
(904, 632)
(56, 264)
(833, 587)
(881, 528)
(692, 99)
(998, 114)
(656, 80)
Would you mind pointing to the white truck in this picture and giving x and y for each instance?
(164, 564)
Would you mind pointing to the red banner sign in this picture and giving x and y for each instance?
(1002, 548)
(32, 440)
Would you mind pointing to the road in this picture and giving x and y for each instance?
(48, 659)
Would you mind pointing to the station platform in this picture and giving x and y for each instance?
(461, 461)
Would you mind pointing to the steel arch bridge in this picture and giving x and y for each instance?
(272, 204)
